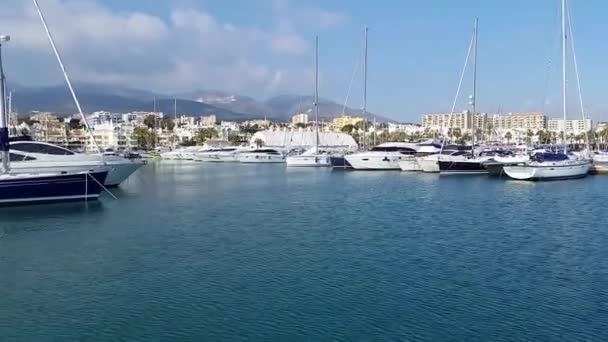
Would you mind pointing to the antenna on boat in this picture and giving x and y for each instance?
(4, 140)
(65, 75)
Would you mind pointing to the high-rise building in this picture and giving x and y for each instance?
(570, 126)
(533, 121)
(462, 120)
(300, 118)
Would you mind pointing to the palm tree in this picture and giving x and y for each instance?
(508, 136)
(529, 135)
(490, 129)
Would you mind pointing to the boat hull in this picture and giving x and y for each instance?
(410, 165)
(119, 171)
(599, 168)
(428, 164)
(548, 171)
(375, 162)
(308, 161)
(461, 168)
(30, 189)
(339, 162)
(260, 159)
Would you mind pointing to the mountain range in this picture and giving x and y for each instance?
(224, 105)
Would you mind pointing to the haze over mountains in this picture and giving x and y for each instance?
(224, 105)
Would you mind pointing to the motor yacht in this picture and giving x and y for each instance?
(422, 150)
(382, 157)
(261, 156)
(312, 157)
(40, 157)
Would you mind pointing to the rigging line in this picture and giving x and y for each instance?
(352, 80)
(578, 79)
(464, 69)
(65, 75)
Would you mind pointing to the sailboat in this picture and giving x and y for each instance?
(22, 188)
(553, 166)
(313, 157)
(472, 163)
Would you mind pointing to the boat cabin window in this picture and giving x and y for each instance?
(18, 157)
(42, 149)
(402, 150)
(268, 151)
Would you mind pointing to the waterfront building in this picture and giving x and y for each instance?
(533, 121)
(345, 120)
(570, 126)
(113, 136)
(441, 121)
(48, 128)
(404, 128)
(301, 118)
(207, 121)
(303, 139)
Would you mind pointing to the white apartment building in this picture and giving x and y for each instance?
(570, 126)
(301, 118)
(112, 136)
(534, 121)
(405, 128)
(207, 121)
(438, 122)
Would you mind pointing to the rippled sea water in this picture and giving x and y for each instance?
(230, 252)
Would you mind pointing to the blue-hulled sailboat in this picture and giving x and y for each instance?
(25, 188)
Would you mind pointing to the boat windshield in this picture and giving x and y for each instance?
(540, 157)
(30, 147)
(401, 149)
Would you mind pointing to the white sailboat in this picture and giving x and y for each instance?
(313, 156)
(554, 166)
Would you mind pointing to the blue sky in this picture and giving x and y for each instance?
(265, 47)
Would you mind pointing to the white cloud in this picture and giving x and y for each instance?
(192, 49)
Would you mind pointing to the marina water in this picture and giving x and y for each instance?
(221, 252)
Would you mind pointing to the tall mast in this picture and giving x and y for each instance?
(175, 108)
(365, 86)
(474, 99)
(4, 140)
(564, 103)
(316, 104)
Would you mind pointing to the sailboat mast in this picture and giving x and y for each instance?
(564, 100)
(317, 93)
(474, 99)
(365, 86)
(175, 108)
(4, 140)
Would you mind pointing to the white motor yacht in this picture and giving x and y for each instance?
(312, 157)
(382, 157)
(261, 156)
(430, 163)
(39, 157)
(423, 150)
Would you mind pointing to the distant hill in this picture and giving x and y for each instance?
(224, 105)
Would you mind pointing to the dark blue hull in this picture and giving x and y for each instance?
(53, 188)
(340, 163)
(461, 168)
